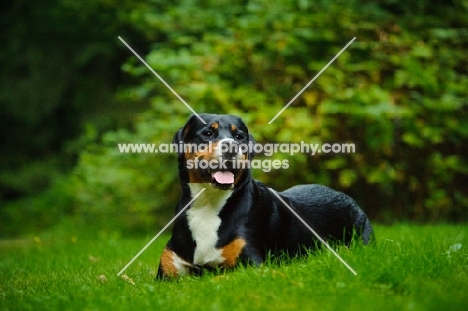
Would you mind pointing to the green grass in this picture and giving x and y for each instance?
(409, 268)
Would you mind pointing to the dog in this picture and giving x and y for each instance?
(238, 219)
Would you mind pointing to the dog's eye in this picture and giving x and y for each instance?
(239, 136)
(208, 133)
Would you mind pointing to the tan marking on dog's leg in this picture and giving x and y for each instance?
(167, 263)
(172, 265)
(232, 251)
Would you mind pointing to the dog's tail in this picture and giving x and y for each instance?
(366, 230)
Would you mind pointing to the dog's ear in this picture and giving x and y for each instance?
(251, 147)
(178, 136)
(177, 143)
(251, 143)
(181, 133)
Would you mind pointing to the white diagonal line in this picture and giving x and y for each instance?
(311, 81)
(159, 233)
(312, 230)
(161, 79)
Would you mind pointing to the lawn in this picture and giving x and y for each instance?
(409, 268)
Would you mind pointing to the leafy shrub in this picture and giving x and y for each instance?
(398, 92)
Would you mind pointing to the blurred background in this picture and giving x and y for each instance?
(70, 91)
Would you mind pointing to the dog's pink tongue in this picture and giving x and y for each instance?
(224, 177)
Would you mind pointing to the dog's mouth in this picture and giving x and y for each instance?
(222, 179)
(220, 173)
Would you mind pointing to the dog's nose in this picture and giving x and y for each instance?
(228, 149)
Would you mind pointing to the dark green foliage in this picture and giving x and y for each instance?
(397, 92)
(60, 70)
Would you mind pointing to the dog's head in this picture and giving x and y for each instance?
(216, 152)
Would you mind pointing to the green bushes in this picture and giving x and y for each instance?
(398, 92)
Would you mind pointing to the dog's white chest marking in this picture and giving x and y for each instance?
(204, 221)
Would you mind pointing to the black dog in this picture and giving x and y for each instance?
(238, 219)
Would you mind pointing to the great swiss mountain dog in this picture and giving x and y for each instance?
(237, 219)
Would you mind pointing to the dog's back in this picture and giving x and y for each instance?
(334, 215)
